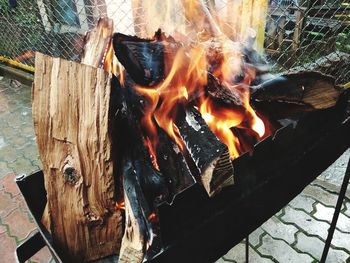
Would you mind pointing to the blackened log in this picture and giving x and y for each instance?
(210, 155)
(294, 93)
(153, 182)
(138, 229)
(173, 165)
(144, 59)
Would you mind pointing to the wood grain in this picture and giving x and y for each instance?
(71, 105)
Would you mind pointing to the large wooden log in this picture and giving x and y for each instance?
(71, 113)
(209, 154)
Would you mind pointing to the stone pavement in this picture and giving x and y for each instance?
(295, 234)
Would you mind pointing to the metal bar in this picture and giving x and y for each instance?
(336, 213)
(247, 249)
(30, 247)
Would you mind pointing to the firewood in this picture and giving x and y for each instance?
(144, 59)
(209, 154)
(97, 42)
(144, 187)
(137, 228)
(173, 164)
(71, 114)
(295, 92)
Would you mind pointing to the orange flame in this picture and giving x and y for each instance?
(206, 49)
(152, 153)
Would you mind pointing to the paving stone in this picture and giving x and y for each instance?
(221, 260)
(4, 169)
(332, 187)
(341, 240)
(30, 152)
(347, 207)
(278, 230)
(305, 222)
(6, 204)
(335, 173)
(254, 238)
(326, 213)
(237, 254)
(314, 246)
(22, 165)
(22, 227)
(9, 185)
(7, 248)
(42, 256)
(8, 154)
(321, 195)
(303, 202)
(281, 251)
(2, 229)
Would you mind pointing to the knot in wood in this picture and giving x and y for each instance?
(70, 175)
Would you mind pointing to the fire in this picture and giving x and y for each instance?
(207, 48)
(152, 152)
(112, 65)
(120, 205)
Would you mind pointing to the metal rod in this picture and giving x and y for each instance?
(336, 213)
(247, 249)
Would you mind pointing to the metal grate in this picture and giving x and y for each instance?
(298, 33)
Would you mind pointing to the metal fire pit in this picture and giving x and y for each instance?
(196, 228)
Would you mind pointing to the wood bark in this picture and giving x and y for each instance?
(71, 113)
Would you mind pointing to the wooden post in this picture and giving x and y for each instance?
(71, 113)
(299, 23)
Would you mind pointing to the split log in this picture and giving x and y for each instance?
(145, 59)
(209, 154)
(71, 113)
(138, 230)
(294, 93)
(144, 187)
(173, 164)
(97, 42)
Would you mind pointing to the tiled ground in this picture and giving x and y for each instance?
(295, 234)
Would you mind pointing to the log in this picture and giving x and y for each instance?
(209, 154)
(173, 165)
(71, 114)
(145, 59)
(137, 227)
(144, 187)
(97, 42)
(294, 93)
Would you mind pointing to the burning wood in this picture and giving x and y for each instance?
(177, 115)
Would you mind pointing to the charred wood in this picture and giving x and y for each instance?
(144, 59)
(294, 93)
(209, 154)
(173, 164)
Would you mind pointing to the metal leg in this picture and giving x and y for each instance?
(247, 249)
(336, 213)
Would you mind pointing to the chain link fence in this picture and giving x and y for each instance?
(299, 34)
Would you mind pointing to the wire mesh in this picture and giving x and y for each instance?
(299, 34)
